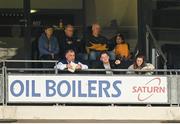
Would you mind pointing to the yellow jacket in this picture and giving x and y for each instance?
(122, 50)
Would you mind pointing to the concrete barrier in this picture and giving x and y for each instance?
(72, 114)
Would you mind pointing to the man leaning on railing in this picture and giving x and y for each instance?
(106, 63)
(70, 63)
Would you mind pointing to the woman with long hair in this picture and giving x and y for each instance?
(141, 65)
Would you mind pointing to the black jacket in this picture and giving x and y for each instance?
(99, 65)
(67, 43)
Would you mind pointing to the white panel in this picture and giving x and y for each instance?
(88, 89)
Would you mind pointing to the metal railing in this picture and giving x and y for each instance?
(156, 46)
(173, 76)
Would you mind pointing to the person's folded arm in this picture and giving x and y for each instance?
(83, 66)
(61, 66)
(148, 67)
(42, 48)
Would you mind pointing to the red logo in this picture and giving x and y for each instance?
(145, 92)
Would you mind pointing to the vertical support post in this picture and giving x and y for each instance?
(3, 83)
(144, 18)
(27, 29)
(56, 70)
(153, 60)
(4, 73)
(84, 14)
(147, 46)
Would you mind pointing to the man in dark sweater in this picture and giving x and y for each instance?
(67, 41)
(96, 43)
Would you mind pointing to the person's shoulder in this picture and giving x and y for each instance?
(96, 65)
(54, 37)
(112, 62)
(131, 67)
(63, 61)
(78, 61)
(75, 38)
(42, 37)
(89, 37)
(125, 43)
(102, 37)
(62, 36)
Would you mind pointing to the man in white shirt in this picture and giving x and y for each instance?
(70, 63)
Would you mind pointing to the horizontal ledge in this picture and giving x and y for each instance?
(89, 113)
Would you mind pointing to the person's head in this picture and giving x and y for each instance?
(119, 39)
(139, 62)
(48, 31)
(70, 55)
(96, 29)
(104, 57)
(69, 30)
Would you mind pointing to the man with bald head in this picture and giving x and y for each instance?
(96, 43)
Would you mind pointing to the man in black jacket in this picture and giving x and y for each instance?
(67, 41)
(105, 63)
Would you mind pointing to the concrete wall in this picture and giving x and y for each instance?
(106, 114)
(103, 11)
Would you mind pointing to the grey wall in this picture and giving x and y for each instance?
(103, 11)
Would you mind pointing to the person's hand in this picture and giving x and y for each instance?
(78, 67)
(69, 66)
(117, 62)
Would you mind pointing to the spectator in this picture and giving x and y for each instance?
(140, 64)
(70, 63)
(96, 43)
(122, 51)
(121, 48)
(68, 41)
(48, 45)
(105, 63)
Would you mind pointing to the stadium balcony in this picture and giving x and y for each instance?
(48, 95)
